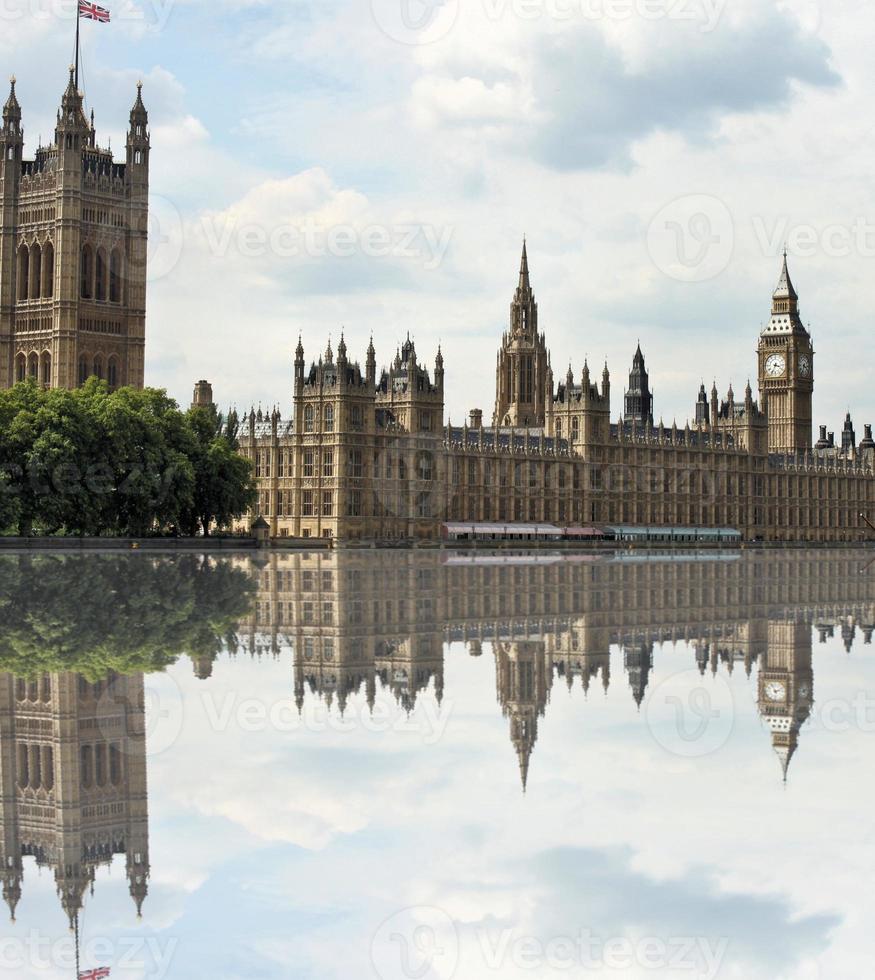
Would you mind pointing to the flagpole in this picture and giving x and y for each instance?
(77, 914)
(78, 18)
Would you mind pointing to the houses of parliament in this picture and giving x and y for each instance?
(368, 455)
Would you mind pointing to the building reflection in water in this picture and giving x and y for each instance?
(73, 782)
(356, 619)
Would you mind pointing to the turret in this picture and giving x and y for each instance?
(299, 367)
(371, 364)
(138, 141)
(12, 136)
(702, 409)
(849, 436)
(606, 386)
(439, 370)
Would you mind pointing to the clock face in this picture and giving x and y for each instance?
(775, 691)
(804, 366)
(775, 366)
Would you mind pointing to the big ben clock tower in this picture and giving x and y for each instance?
(786, 372)
(785, 687)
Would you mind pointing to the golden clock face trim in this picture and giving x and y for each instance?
(776, 366)
(776, 691)
(804, 366)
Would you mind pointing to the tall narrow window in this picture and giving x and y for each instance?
(48, 277)
(329, 418)
(83, 369)
(115, 277)
(87, 272)
(112, 373)
(36, 271)
(100, 278)
(308, 418)
(23, 273)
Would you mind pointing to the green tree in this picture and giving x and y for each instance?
(223, 484)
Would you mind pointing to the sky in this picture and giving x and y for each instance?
(371, 167)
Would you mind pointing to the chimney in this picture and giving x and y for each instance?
(203, 395)
(476, 416)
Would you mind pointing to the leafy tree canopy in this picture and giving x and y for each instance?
(99, 613)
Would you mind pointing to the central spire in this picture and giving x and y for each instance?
(525, 285)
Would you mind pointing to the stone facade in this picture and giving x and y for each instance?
(73, 238)
(372, 458)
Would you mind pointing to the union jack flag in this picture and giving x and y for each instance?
(91, 11)
(100, 974)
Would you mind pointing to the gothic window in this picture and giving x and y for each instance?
(86, 766)
(33, 367)
(328, 463)
(100, 765)
(307, 503)
(23, 767)
(308, 463)
(115, 765)
(329, 418)
(46, 368)
(100, 278)
(575, 428)
(23, 273)
(138, 156)
(98, 367)
(327, 503)
(48, 767)
(20, 367)
(308, 418)
(112, 372)
(83, 369)
(115, 277)
(86, 272)
(48, 273)
(559, 428)
(36, 271)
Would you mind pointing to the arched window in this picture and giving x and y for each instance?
(329, 418)
(98, 367)
(86, 766)
(115, 276)
(33, 366)
(48, 767)
(84, 371)
(23, 273)
(36, 775)
(23, 766)
(138, 156)
(100, 278)
(36, 271)
(48, 277)
(46, 368)
(20, 367)
(100, 765)
(115, 765)
(87, 273)
(308, 418)
(112, 372)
